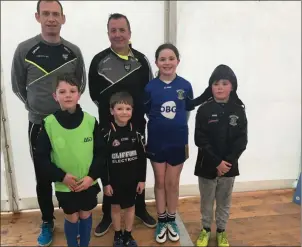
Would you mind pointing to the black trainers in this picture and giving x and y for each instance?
(118, 241)
(103, 227)
(147, 219)
(130, 242)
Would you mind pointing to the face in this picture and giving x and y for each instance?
(221, 90)
(167, 62)
(119, 34)
(67, 96)
(51, 18)
(122, 113)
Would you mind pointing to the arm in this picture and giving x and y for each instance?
(104, 175)
(240, 143)
(142, 160)
(189, 102)
(81, 72)
(201, 136)
(147, 101)
(18, 75)
(97, 168)
(95, 88)
(42, 157)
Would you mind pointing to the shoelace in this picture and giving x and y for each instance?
(174, 226)
(46, 229)
(161, 227)
(224, 239)
(201, 236)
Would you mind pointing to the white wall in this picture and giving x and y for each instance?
(86, 26)
(260, 40)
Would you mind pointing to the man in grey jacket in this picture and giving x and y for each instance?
(36, 64)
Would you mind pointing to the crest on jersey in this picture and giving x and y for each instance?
(65, 56)
(127, 67)
(180, 94)
(115, 143)
(233, 120)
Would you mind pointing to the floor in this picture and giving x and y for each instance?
(262, 218)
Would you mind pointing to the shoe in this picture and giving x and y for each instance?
(147, 219)
(203, 239)
(130, 242)
(118, 241)
(161, 232)
(222, 240)
(103, 227)
(45, 237)
(173, 231)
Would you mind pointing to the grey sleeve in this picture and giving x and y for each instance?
(18, 75)
(81, 72)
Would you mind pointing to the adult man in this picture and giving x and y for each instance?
(120, 68)
(36, 63)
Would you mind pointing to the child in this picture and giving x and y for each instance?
(167, 101)
(221, 136)
(126, 167)
(69, 153)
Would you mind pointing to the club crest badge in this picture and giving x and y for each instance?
(180, 94)
(127, 67)
(233, 120)
(115, 143)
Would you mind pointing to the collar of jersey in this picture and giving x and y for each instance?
(124, 57)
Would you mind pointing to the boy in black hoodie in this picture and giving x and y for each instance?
(221, 136)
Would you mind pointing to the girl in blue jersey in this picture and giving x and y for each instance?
(168, 99)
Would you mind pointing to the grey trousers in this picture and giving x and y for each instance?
(220, 189)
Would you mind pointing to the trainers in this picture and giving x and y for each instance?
(161, 232)
(103, 227)
(222, 240)
(45, 237)
(130, 242)
(147, 219)
(173, 231)
(118, 241)
(203, 239)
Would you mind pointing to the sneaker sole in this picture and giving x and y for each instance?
(161, 241)
(173, 239)
(146, 224)
(102, 233)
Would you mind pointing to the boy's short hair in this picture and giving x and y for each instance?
(68, 78)
(121, 98)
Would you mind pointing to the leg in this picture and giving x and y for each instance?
(223, 200)
(85, 227)
(103, 227)
(43, 190)
(71, 229)
(129, 219)
(141, 211)
(172, 193)
(159, 170)
(116, 220)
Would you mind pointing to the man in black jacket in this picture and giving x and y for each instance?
(115, 69)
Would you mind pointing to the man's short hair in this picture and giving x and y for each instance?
(38, 4)
(121, 98)
(68, 78)
(117, 16)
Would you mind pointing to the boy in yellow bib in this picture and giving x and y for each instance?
(68, 153)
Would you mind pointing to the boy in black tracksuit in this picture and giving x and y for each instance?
(126, 167)
(221, 136)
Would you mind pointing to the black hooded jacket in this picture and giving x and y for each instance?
(220, 129)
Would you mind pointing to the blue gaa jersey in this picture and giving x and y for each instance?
(166, 107)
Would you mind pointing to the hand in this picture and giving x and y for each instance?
(140, 187)
(108, 191)
(84, 184)
(70, 181)
(223, 168)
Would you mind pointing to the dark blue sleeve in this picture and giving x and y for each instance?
(189, 99)
(147, 100)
